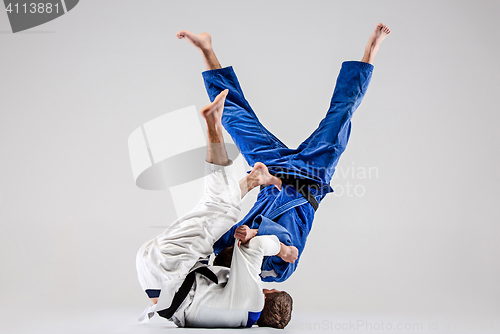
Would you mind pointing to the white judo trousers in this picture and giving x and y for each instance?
(164, 262)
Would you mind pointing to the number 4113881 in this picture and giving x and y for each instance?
(32, 8)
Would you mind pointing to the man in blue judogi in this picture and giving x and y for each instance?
(305, 171)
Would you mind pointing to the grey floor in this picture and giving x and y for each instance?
(123, 320)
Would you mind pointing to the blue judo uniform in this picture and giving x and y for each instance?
(287, 214)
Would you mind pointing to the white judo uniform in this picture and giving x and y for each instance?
(164, 262)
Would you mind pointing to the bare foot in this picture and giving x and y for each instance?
(260, 176)
(379, 34)
(212, 112)
(202, 41)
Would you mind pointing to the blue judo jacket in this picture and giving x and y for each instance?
(271, 214)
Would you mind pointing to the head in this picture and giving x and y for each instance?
(224, 258)
(277, 309)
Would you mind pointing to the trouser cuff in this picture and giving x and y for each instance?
(223, 71)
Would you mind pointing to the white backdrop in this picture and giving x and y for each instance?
(420, 236)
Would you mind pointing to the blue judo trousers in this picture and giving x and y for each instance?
(287, 214)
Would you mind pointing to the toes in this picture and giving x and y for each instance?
(181, 34)
(223, 93)
(219, 99)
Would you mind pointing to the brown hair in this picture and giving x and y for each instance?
(277, 310)
(224, 258)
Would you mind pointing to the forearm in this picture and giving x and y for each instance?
(286, 253)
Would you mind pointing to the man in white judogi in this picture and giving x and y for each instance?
(180, 286)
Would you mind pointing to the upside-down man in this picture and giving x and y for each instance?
(306, 171)
(192, 294)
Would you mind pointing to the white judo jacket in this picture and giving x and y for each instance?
(164, 262)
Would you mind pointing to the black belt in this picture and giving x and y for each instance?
(302, 186)
(184, 290)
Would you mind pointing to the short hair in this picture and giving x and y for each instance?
(224, 258)
(277, 310)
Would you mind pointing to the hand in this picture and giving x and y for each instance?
(288, 253)
(244, 234)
